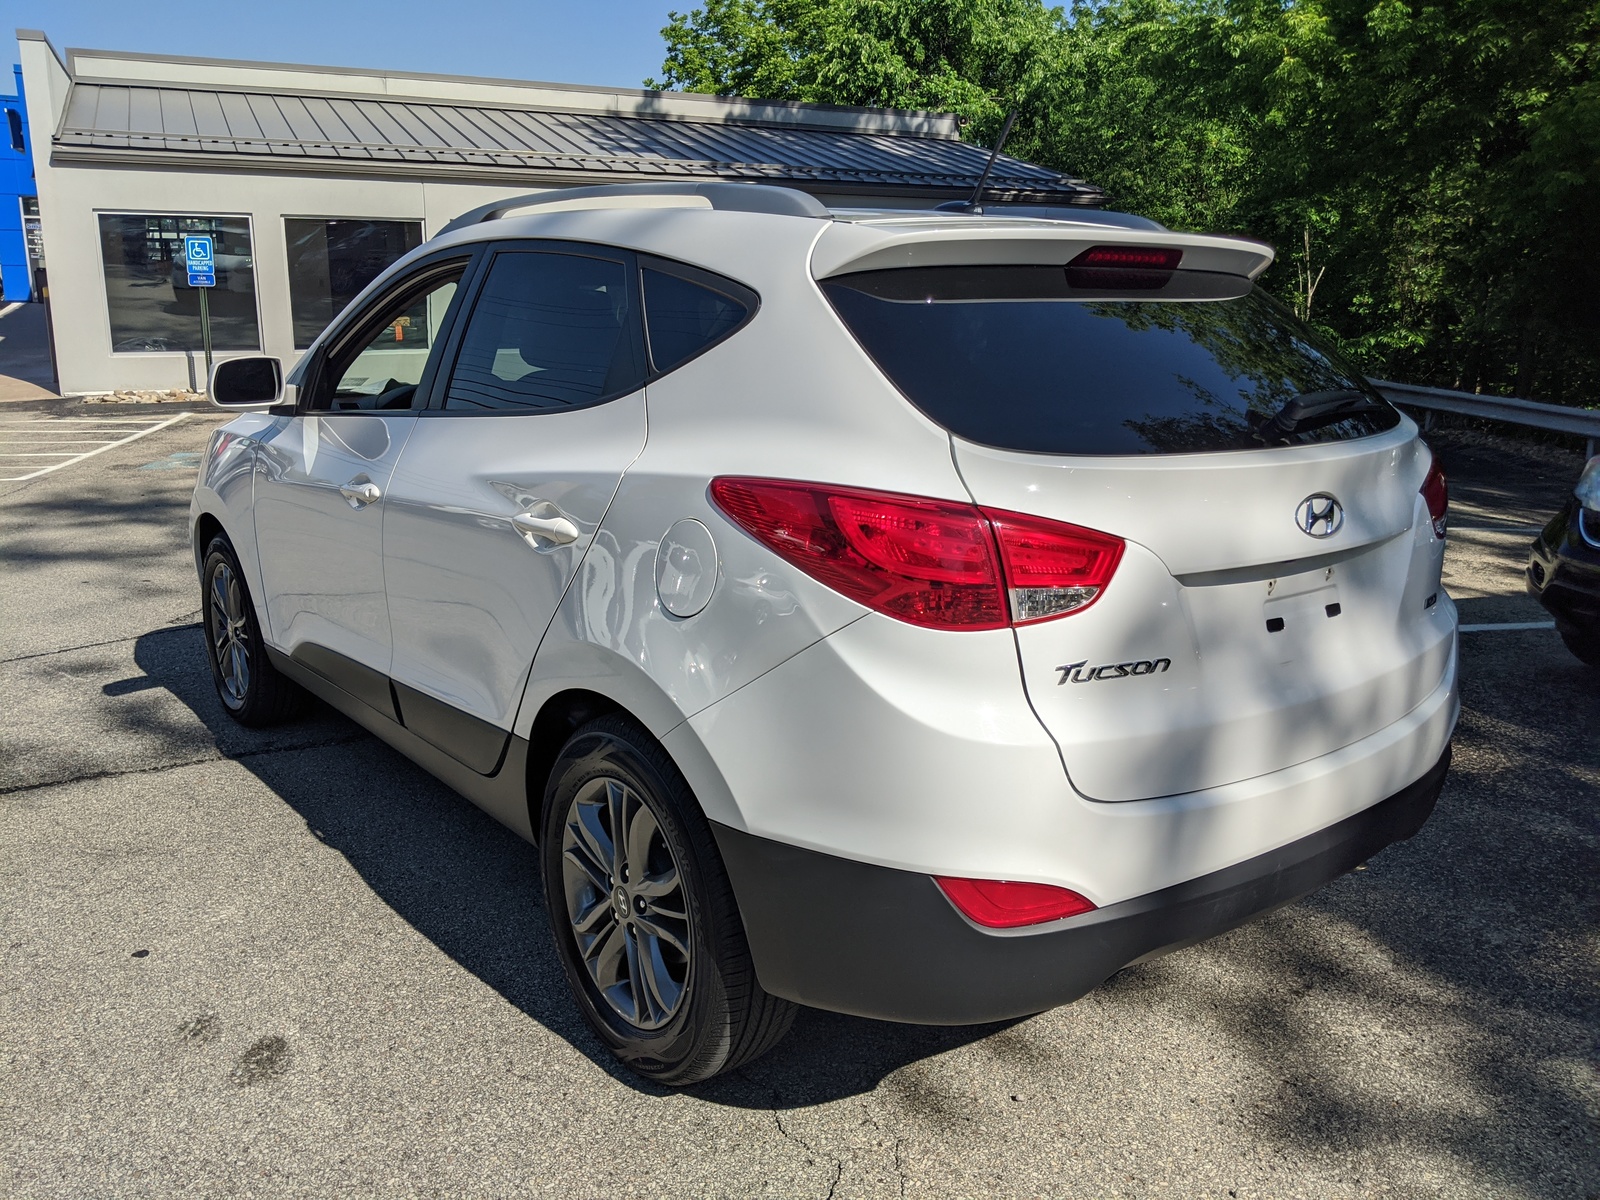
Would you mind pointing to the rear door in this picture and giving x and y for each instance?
(504, 482)
(1279, 593)
(322, 475)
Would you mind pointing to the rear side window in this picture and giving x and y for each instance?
(1036, 359)
(547, 331)
(685, 316)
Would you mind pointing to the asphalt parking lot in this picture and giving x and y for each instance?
(290, 963)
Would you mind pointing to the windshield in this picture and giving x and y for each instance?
(1042, 359)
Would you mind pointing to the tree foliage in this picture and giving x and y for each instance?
(1429, 170)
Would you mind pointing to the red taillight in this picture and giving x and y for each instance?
(1001, 904)
(934, 563)
(928, 562)
(1436, 493)
(1052, 568)
(1138, 258)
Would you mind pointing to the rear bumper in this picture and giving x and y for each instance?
(879, 942)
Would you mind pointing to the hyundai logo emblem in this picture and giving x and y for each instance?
(1319, 515)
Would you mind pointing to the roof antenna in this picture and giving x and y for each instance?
(971, 205)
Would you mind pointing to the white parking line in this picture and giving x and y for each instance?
(117, 426)
(1506, 626)
(1522, 530)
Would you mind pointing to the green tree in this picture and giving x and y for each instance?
(1431, 171)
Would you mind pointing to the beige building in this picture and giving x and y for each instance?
(310, 180)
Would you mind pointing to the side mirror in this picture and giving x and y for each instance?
(246, 383)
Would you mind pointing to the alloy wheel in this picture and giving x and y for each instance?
(626, 903)
(230, 635)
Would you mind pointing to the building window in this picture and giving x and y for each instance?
(331, 261)
(151, 303)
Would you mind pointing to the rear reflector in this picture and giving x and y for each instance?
(934, 563)
(1436, 493)
(1001, 904)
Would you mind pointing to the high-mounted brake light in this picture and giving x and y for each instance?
(1002, 904)
(1139, 258)
(1436, 492)
(1124, 268)
(934, 563)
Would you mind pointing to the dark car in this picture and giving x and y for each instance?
(1564, 567)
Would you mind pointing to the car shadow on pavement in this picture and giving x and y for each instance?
(469, 886)
(1441, 998)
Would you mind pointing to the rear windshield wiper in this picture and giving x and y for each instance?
(1311, 410)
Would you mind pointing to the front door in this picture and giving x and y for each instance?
(320, 486)
(503, 485)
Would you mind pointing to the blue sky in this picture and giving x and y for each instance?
(616, 43)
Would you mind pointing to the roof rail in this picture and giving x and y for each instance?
(732, 197)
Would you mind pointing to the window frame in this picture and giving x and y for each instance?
(489, 252)
(700, 277)
(359, 323)
(176, 215)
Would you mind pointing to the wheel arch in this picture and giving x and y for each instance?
(572, 684)
(207, 526)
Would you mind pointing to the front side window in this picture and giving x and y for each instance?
(151, 305)
(1052, 361)
(381, 365)
(547, 332)
(331, 261)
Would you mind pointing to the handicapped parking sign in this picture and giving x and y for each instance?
(198, 258)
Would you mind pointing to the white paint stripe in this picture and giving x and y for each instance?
(42, 454)
(1508, 626)
(68, 423)
(11, 308)
(1518, 529)
(132, 437)
(81, 420)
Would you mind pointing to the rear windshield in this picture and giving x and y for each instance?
(1054, 361)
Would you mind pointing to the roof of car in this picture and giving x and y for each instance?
(701, 224)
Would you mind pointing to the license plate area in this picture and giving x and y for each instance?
(1294, 624)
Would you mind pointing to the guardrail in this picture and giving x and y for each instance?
(1553, 417)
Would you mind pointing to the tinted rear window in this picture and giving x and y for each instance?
(1026, 358)
(683, 318)
(548, 331)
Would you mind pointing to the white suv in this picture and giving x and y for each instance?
(918, 615)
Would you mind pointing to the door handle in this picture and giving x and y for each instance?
(360, 492)
(556, 530)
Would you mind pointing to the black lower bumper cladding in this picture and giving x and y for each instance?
(877, 942)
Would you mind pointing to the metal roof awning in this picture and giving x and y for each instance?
(369, 135)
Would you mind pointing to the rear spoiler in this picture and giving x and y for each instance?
(847, 248)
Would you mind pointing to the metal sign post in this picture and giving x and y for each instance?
(202, 266)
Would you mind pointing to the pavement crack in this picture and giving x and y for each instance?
(838, 1162)
(93, 645)
(242, 756)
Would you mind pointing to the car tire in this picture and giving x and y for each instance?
(1585, 647)
(646, 925)
(251, 689)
